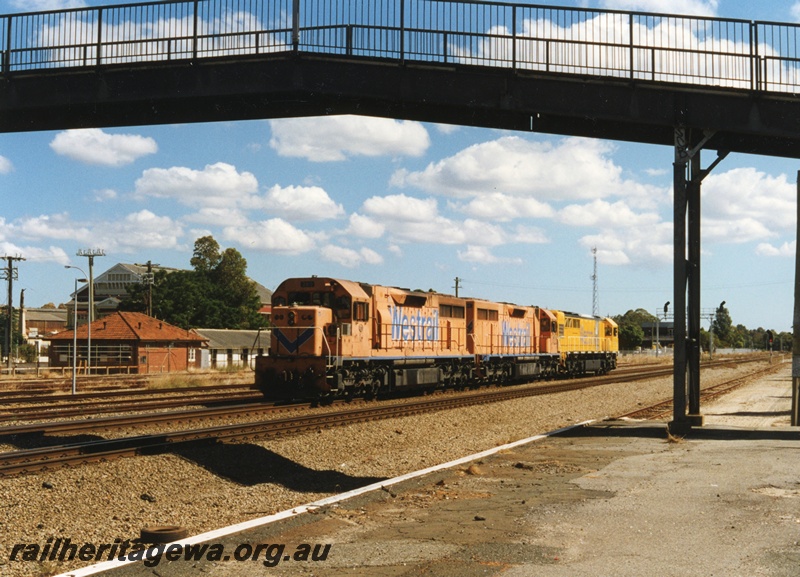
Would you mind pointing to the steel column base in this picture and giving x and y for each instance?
(695, 420)
(680, 428)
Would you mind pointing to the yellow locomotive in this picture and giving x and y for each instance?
(334, 337)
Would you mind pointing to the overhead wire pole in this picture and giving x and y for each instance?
(90, 253)
(10, 274)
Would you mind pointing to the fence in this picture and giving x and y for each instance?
(741, 54)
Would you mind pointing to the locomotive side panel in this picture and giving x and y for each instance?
(507, 342)
(417, 324)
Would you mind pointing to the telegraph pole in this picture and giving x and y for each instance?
(457, 285)
(10, 274)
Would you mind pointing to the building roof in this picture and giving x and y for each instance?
(129, 326)
(42, 315)
(235, 339)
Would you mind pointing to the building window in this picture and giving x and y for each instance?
(191, 355)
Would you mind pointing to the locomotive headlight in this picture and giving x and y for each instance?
(291, 318)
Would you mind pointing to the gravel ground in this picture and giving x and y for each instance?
(203, 489)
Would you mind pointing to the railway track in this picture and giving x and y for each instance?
(75, 454)
(665, 408)
(37, 407)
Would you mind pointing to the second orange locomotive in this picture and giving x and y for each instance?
(335, 337)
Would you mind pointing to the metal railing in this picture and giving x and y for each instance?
(742, 54)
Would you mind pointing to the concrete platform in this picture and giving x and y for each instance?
(610, 499)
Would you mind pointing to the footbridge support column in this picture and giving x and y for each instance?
(687, 179)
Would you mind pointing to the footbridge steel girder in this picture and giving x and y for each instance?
(276, 86)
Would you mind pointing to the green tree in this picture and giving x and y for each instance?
(206, 256)
(216, 294)
(631, 334)
(723, 327)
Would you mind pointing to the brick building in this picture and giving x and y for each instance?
(126, 342)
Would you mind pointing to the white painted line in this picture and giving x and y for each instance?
(244, 526)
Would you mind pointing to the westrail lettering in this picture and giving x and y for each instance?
(412, 324)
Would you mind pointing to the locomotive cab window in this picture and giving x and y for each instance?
(360, 311)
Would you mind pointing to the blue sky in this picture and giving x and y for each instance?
(514, 215)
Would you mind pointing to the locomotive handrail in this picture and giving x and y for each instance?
(638, 46)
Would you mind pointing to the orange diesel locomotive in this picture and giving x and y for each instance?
(335, 337)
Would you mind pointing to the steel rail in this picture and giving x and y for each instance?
(46, 395)
(90, 409)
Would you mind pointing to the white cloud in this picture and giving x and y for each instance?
(274, 235)
(41, 5)
(401, 207)
(93, 146)
(364, 227)
(105, 194)
(56, 226)
(647, 246)
(573, 168)
(503, 207)
(335, 138)
(5, 165)
(299, 203)
(217, 184)
(787, 249)
(795, 11)
(218, 215)
(601, 213)
(142, 229)
(53, 254)
(529, 235)
(693, 7)
(139, 230)
(350, 258)
(482, 255)
(744, 204)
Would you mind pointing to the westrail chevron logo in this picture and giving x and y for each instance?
(292, 346)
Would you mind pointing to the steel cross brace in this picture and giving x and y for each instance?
(687, 179)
